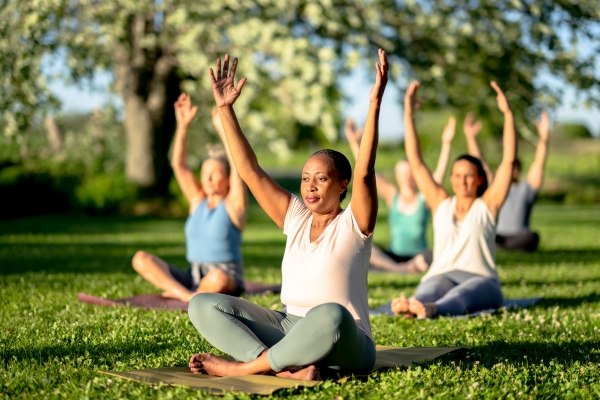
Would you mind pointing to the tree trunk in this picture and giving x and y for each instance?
(149, 86)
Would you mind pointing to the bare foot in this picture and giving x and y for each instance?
(210, 364)
(178, 295)
(310, 373)
(400, 306)
(422, 310)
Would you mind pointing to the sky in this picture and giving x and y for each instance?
(355, 86)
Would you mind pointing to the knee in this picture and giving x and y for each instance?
(201, 306)
(140, 259)
(216, 281)
(330, 317)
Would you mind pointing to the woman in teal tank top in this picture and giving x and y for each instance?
(213, 230)
(407, 212)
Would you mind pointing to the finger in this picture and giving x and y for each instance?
(219, 68)
(194, 110)
(241, 85)
(544, 117)
(226, 66)
(496, 87)
(212, 76)
(478, 125)
(452, 122)
(234, 68)
(378, 78)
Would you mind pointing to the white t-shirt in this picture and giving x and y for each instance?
(468, 245)
(332, 269)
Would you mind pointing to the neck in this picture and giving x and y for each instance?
(464, 203)
(408, 192)
(320, 220)
(214, 199)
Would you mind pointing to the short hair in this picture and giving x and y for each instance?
(341, 165)
(217, 153)
(480, 171)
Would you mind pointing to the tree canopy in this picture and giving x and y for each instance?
(292, 52)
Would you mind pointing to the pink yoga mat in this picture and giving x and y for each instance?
(158, 302)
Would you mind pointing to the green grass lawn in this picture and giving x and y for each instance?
(51, 346)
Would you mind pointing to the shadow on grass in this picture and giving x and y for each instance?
(555, 256)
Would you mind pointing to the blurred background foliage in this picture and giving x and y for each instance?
(293, 52)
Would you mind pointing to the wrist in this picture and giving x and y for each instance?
(508, 113)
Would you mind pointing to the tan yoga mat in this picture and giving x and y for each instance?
(387, 357)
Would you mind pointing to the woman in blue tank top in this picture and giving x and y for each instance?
(213, 230)
(407, 212)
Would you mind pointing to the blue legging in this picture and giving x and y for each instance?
(457, 296)
(328, 336)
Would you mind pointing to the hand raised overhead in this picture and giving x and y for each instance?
(502, 102)
(216, 120)
(471, 127)
(381, 79)
(224, 89)
(353, 134)
(411, 102)
(543, 126)
(184, 112)
(449, 130)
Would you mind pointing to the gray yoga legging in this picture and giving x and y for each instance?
(457, 292)
(327, 337)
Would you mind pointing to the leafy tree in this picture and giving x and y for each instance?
(155, 48)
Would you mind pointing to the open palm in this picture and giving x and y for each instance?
(224, 89)
(501, 98)
(381, 78)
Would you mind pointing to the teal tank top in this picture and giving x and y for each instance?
(210, 236)
(408, 230)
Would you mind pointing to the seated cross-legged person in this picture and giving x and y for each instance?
(407, 211)
(463, 275)
(324, 268)
(214, 228)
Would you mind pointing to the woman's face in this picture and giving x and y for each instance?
(213, 177)
(320, 186)
(404, 175)
(465, 179)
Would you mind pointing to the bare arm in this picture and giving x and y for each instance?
(432, 191)
(271, 197)
(189, 184)
(236, 202)
(384, 188)
(364, 192)
(471, 129)
(495, 195)
(535, 176)
(447, 136)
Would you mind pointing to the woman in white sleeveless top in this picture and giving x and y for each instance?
(324, 268)
(463, 274)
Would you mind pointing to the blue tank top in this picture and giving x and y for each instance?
(408, 230)
(210, 236)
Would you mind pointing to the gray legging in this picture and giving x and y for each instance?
(327, 337)
(456, 292)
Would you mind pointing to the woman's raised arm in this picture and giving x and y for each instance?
(385, 189)
(447, 136)
(236, 202)
(364, 191)
(433, 192)
(188, 183)
(271, 197)
(495, 195)
(535, 176)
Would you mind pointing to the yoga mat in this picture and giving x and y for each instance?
(387, 357)
(158, 302)
(386, 309)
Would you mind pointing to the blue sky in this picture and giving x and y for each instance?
(356, 87)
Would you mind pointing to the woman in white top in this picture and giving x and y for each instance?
(463, 274)
(324, 269)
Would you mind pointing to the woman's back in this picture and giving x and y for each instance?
(467, 245)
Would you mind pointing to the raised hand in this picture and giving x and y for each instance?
(471, 127)
(449, 130)
(502, 102)
(411, 102)
(184, 112)
(224, 89)
(381, 79)
(543, 126)
(353, 134)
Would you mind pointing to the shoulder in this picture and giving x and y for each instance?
(296, 212)
(349, 223)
